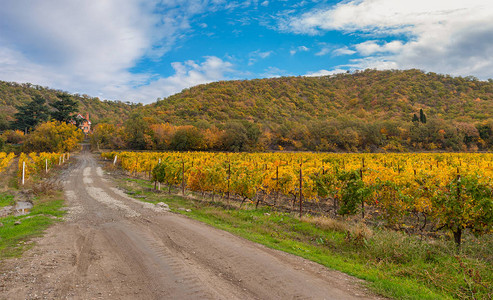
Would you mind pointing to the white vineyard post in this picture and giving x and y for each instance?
(59, 160)
(23, 171)
(114, 161)
(63, 158)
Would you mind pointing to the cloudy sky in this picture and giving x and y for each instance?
(141, 50)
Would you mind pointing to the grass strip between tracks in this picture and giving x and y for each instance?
(15, 239)
(394, 264)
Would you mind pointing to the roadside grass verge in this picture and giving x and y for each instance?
(15, 239)
(394, 264)
(6, 200)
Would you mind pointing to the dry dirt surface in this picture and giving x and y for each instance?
(114, 247)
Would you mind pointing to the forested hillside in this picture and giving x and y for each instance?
(367, 110)
(15, 94)
(370, 95)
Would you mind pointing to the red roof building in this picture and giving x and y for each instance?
(85, 124)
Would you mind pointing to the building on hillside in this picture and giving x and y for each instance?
(84, 123)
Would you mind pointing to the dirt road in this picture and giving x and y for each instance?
(114, 247)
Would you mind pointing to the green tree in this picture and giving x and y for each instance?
(188, 138)
(64, 108)
(4, 124)
(235, 137)
(138, 133)
(422, 116)
(31, 114)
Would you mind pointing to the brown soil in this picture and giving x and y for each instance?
(115, 247)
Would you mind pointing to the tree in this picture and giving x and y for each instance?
(415, 118)
(31, 114)
(65, 108)
(422, 116)
(53, 137)
(235, 137)
(13, 136)
(138, 133)
(4, 124)
(103, 135)
(188, 138)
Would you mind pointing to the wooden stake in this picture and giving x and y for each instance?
(301, 190)
(183, 178)
(23, 171)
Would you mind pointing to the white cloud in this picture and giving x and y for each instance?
(340, 51)
(449, 36)
(272, 72)
(324, 51)
(299, 49)
(257, 55)
(187, 74)
(91, 46)
(325, 72)
(372, 47)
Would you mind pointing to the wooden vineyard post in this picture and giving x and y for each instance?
(114, 160)
(183, 178)
(362, 199)
(301, 190)
(46, 166)
(458, 233)
(229, 177)
(23, 171)
(277, 185)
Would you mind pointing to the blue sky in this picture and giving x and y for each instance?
(142, 50)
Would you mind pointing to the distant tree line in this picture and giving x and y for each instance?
(342, 134)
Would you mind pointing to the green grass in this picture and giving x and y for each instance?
(14, 239)
(6, 200)
(394, 264)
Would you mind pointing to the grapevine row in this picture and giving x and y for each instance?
(406, 190)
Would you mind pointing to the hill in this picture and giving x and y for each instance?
(361, 109)
(370, 95)
(13, 94)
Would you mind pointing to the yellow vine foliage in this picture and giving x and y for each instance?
(5, 160)
(38, 163)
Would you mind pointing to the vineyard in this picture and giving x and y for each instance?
(33, 163)
(417, 193)
(5, 160)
